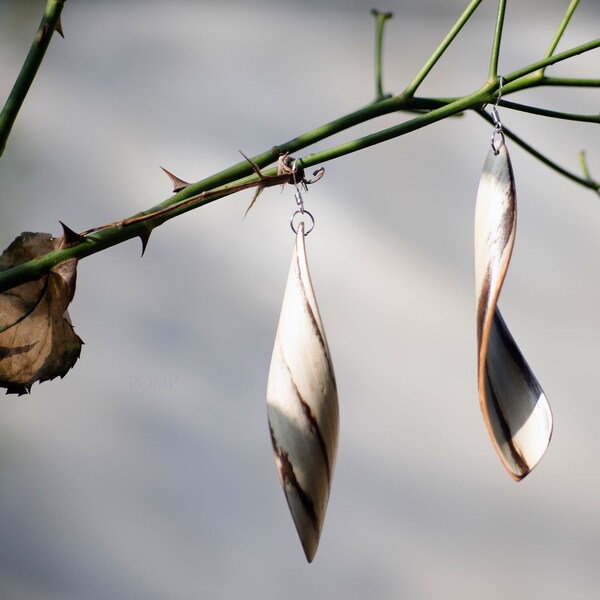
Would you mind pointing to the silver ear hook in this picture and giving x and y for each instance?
(496, 117)
(300, 204)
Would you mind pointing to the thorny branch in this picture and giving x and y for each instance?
(247, 174)
(286, 173)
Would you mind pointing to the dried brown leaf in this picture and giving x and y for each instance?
(37, 340)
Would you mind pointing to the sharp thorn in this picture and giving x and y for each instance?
(70, 237)
(254, 166)
(178, 184)
(254, 198)
(144, 237)
(59, 28)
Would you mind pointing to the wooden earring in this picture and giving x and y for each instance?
(515, 409)
(302, 404)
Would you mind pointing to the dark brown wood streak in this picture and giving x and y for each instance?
(313, 318)
(288, 478)
(482, 305)
(504, 425)
(314, 427)
(313, 424)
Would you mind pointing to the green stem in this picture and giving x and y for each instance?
(30, 67)
(586, 172)
(570, 82)
(520, 74)
(381, 18)
(422, 74)
(114, 235)
(560, 31)
(550, 113)
(243, 169)
(241, 173)
(438, 111)
(493, 74)
(458, 106)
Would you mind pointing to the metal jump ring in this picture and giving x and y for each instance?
(302, 212)
(500, 134)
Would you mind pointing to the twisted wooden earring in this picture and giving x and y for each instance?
(515, 409)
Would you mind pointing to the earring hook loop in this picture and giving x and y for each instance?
(496, 117)
(300, 203)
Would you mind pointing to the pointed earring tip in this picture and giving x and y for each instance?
(309, 536)
(309, 553)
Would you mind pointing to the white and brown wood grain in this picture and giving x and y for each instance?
(302, 404)
(515, 409)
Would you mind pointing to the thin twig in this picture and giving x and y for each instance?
(560, 31)
(545, 62)
(554, 114)
(422, 74)
(40, 44)
(569, 82)
(381, 18)
(586, 171)
(493, 73)
(162, 214)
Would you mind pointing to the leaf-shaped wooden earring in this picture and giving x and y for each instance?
(515, 409)
(302, 402)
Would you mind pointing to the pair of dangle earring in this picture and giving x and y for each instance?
(514, 406)
(302, 403)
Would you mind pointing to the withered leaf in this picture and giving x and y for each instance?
(37, 340)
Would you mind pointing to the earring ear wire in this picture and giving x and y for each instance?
(496, 118)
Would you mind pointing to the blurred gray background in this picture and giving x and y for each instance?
(147, 473)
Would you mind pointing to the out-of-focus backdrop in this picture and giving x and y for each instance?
(147, 473)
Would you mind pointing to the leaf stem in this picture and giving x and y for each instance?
(381, 18)
(30, 67)
(422, 74)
